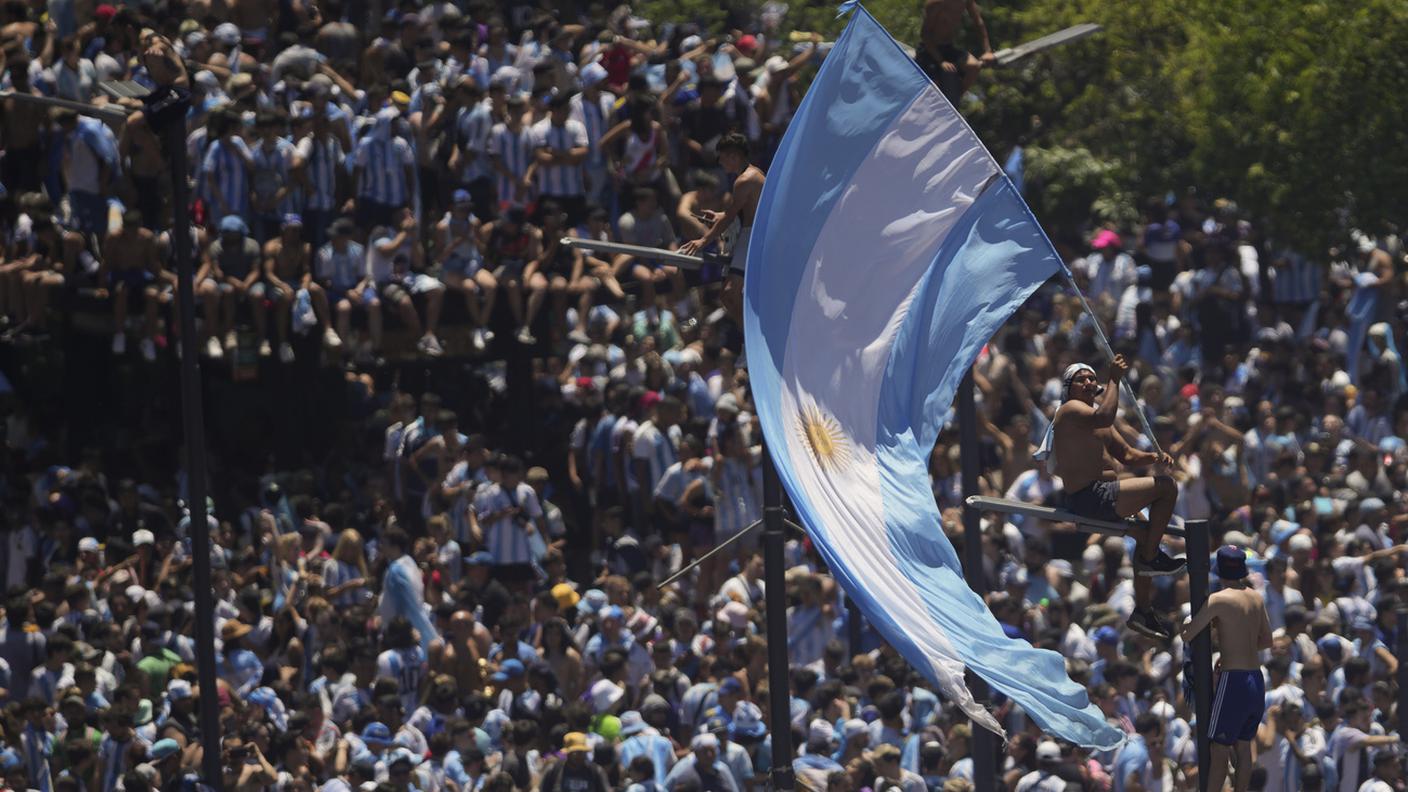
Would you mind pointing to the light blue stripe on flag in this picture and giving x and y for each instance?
(888, 248)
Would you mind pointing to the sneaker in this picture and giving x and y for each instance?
(286, 352)
(119, 343)
(476, 340)
(331, 338)
(579, 337)
(148, 348)
(525, 336)
(213, 350)
(231, 341)
(1161, 564)
(264, 349)
(430, 346)
(1150, 625)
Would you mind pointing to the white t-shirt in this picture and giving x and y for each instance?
(1041, 781)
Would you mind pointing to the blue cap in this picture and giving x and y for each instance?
(461, 196)
(613, 612)
(481, 558)
(233, 224)
(163, 748)
(293, 219)
(593, 601)
(1281, 530)
(1331, 647)
(1362, 623)
(376, 733)
(732, 686)
(1107, 635)
(1231, 563)
(509, 669)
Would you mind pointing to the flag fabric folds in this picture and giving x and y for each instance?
(888, 248)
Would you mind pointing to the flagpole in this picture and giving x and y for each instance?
(984, 748)
(775, 577)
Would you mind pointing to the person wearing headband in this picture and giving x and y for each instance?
(1243, 633)
(1090, 452)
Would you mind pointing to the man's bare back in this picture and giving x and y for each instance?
(1243, 629)
(747, 189)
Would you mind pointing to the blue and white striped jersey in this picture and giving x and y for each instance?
(459, 510)
(809, 630)
(38, 746)
(273, 169)
(322, 159)
(657, 449)
(382, 163)
(562, 180)
(515, 151)
(738, 501)
(112, 755)
(407, 667)
(505, 538)
(225, 174)
(595, 117)
(1296, 281)
(472, 127)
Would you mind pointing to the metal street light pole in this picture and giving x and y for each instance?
(165, 111)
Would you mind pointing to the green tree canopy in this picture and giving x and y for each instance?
(1295, 110)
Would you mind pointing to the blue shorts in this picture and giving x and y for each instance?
(465, 266)
(1096, 500)
(1239, 701)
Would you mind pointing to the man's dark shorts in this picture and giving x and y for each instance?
(1096, 501)
(950, 83)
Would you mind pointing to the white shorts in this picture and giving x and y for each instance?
(739, 258)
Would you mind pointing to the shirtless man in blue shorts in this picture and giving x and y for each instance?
(1090, 451)
(1239, 695)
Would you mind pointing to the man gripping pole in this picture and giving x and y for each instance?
(1084, 449)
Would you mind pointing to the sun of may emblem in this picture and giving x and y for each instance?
(824, 437)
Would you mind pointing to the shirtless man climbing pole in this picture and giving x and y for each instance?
(1243, 632)
(742, 203)
(1086, 453)
(952, 69)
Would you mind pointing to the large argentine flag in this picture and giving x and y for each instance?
(888, 248)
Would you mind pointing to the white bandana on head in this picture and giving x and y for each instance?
(1047, 450)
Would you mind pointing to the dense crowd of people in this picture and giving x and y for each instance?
(438, 614)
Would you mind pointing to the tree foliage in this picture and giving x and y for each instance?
(1293, 109)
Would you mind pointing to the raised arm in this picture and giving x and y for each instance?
(976, 14)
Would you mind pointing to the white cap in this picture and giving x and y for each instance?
(1048, 751)
(690, 42)
(775, 64)
(605, 694)
(592, 74)
(88, 544)
(1300, 542)
(226, 33)
(142, 536)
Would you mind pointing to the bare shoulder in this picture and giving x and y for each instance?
(752, 176)
(1072, 407)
